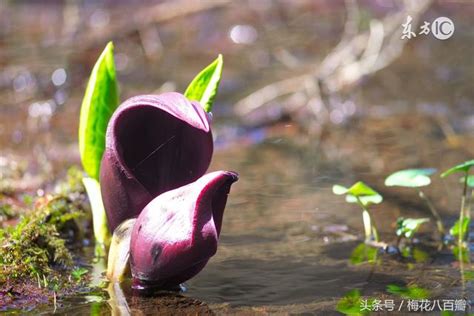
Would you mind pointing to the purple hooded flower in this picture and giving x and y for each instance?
(176, 233)
(154, 143)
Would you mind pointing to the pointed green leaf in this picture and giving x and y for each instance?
(361, 189)
(410, 178)
(463, 167)
(204, 86)
(456, 227)
(100, 101)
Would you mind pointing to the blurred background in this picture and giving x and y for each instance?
(313, 93)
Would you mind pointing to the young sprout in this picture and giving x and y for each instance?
(417, 178)
(407, 227)
(464, 212)
(363, 195)
(100, 100)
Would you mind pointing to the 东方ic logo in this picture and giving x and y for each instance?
(442, 28)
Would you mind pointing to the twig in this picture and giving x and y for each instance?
(357, 54)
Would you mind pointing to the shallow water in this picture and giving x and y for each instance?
(286, 240)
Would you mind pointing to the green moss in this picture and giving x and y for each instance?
(6, 211)
(37, 244)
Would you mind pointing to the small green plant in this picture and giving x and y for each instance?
(413, 291)
(407, 227)
(203, 88)
(78, 273)
(417, 178)
(464, 212)
(363, 253)
(364, 196)
(100, 100)
(352, 303)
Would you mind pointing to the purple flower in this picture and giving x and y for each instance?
(177, 232)
(154, 143)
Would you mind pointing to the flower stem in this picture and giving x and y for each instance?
(434, 212)
(369, 227)
(461, 213)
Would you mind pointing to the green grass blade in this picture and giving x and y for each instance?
(100, 101)
(204, 86)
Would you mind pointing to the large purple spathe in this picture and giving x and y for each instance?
(177, 232)
(154, 143)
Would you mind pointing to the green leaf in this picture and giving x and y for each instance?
(463, 167)
(360, 191)
(339, 189)
(352, 303)
(407, 227)
(363, 253)
(470, 180)
(412, 178)
(455, 229)
(78, 273)
(413, 292)
(100, 101)
(204, 86)
(365, 200)
(99, 218)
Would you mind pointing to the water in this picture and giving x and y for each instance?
(286, 240)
